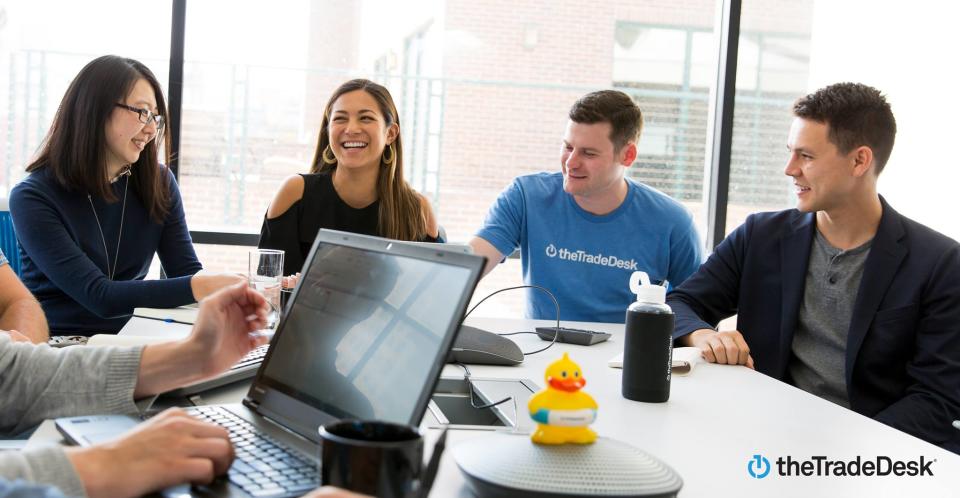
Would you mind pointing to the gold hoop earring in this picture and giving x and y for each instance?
(328, 160)
(393, 155)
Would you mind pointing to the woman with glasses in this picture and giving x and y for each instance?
(98, 205)
(356, 181)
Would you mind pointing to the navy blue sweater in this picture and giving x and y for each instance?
(63, 259)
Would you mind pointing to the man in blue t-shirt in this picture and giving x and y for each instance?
(582, 232)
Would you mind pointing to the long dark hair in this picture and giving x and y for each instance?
(401, 214)
(75, 148)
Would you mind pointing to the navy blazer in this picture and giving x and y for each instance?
(903, 344)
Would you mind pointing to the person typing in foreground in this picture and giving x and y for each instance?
(38, 382)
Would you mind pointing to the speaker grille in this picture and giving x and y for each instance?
(605, 468)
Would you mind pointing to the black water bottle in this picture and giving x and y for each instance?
(648, 344)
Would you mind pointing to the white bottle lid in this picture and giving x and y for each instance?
(647, 292)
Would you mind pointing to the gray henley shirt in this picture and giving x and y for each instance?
(819, 346)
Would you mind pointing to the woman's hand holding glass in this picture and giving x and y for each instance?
(205, 283)
(266, 277)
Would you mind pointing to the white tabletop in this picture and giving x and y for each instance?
(717, 418)
(174, 323)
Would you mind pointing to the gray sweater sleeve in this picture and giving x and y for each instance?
(38, 382)
(47, 466)
(22, 489)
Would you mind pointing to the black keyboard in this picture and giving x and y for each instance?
(251, 358)
(264, 466)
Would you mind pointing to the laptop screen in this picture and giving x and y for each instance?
(364, 333)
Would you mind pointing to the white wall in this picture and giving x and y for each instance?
(908, 51)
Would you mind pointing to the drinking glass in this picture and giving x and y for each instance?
(266, 275)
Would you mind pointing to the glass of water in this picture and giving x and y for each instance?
(266, 275)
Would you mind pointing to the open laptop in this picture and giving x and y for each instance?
(445, 246)
(248, 365)
(365, 337)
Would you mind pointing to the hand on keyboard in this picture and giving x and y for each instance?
(169, 449)
(264, 467)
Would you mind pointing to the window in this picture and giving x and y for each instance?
(772, 71)
(483, 92)
(41, 53)
(669, 71)
(788, 49)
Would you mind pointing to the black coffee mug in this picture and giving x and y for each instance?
(377, 458)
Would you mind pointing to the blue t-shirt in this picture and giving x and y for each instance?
(584, 259)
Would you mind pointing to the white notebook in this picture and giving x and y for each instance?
(184, 314)
(684, 359)
(126, 340)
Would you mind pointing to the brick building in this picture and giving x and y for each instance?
(483, 88)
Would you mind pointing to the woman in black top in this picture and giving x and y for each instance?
(356, 181)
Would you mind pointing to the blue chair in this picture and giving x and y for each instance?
(8, 238)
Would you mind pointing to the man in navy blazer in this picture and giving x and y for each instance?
(843, 296)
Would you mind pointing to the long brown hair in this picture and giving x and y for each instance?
(75, 148)
(401, 214)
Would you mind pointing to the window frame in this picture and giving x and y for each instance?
(716, 167)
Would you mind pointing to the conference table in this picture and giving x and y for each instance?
(717, 419)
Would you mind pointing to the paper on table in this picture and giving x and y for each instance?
(684, 359)
(183, 314)
(126, 340)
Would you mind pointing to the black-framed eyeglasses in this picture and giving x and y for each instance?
(145, 115)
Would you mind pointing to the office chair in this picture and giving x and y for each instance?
(8, 237)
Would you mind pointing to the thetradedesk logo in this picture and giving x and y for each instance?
(581, 256)
(820, 466)
(758, 467)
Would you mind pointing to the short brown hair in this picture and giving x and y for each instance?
(614, 107)
(856, 114)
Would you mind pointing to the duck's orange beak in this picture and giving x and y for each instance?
(568, 385)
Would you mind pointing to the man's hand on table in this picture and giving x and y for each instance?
(727, 347)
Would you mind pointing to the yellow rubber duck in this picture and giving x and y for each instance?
(562, 411)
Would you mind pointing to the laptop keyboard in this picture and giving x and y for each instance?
(253, 357)
(264, 466)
